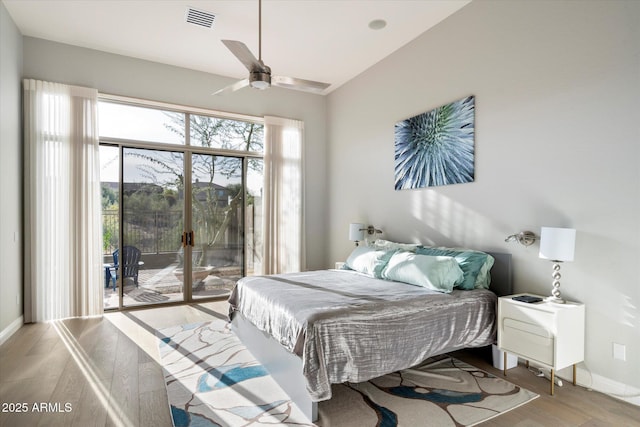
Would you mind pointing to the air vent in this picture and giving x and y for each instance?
(200, 18)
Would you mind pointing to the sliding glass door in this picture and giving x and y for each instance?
(217, 206)
(110, 185)
(152, 226)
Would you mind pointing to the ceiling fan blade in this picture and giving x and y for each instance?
(233, 87)
(299, 84)
(242, 52)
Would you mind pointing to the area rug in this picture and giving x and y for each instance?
(444, 392)
(213, 380)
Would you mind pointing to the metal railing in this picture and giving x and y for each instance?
(159, 232)
(151, 231)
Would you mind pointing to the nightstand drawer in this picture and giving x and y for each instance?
(529, 339)
(527, 313)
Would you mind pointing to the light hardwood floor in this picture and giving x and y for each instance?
(106, 372)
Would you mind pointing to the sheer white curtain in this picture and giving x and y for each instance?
(63, 238)
(283, 196)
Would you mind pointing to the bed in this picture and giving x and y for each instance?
(314, 329)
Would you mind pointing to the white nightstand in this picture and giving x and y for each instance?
(549, 334)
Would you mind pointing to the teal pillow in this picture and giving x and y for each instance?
(483, 280)
(369, 260)
(474, 264)
(438, 273)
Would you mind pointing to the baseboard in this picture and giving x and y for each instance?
(616, 389)
(591, 381)
(6, 333)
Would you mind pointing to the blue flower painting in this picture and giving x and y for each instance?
(436, 147)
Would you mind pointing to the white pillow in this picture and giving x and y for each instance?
(389, 245)
(438, 273)
(369, 260)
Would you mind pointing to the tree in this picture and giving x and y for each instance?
(109, 197)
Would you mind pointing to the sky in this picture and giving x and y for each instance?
(124, 122)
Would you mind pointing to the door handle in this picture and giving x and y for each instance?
(188, 238)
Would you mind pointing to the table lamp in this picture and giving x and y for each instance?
(557, 245)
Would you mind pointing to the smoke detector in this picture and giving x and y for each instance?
(198, 17)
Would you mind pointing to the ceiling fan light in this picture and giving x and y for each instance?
(259, 84)
(260, 80)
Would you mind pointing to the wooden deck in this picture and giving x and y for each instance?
(157, 286)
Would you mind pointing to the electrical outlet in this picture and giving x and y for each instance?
(619, 351)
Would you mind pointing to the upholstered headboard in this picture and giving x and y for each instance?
(501, 274)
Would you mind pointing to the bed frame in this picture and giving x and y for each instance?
(286, 368)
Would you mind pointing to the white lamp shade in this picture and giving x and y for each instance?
(557, 244)
(356, 232)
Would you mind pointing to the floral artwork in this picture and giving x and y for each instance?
(436, 147)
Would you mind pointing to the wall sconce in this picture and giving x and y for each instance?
(357, 230)
(525, 238)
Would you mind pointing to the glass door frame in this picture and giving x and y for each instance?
(186, 217)
(188, 151)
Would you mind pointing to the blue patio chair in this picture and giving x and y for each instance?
(130, 264)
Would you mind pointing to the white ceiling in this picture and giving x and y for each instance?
(322, 40)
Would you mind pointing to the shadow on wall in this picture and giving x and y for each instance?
(437, 219)
(603, 257)
(440, 220)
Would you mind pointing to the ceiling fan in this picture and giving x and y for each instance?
(259, 74)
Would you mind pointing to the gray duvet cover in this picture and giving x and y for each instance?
(350, 327)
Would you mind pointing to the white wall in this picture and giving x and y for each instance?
(10, 175)
(121, 75)
(557, 86)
